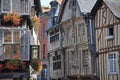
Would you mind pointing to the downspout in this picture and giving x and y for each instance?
(91, 43)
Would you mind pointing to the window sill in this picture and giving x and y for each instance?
(113, 73)
(109, 37)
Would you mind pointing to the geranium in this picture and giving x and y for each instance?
(14, 64)
(1, 67)
(14, 18)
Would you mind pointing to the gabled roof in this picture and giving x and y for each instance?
(114, 6)
(85, 6)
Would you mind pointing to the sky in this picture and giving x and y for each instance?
(45, 2)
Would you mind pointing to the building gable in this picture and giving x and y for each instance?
(71, 9)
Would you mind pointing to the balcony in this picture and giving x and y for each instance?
(20, 6)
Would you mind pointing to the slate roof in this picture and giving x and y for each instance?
(114, 6)
(86, 5)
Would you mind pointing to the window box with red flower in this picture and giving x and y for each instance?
(12, 19)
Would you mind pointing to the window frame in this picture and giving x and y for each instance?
(108, 36)
(85, 53)
(54, 36)
(56, 58)
(23, 11)
(114, 60)
(23, 42)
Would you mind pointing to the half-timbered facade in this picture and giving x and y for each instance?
(77, 64)
(106, 23)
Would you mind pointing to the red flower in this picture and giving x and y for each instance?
(1, 66)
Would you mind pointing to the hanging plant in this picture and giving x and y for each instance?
(36, 65)
(36, 22)
(12, 19)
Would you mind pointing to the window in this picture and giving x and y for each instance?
(85, 58)
(81, 29)
(16, 36)
(12, 51)
(112, 63)
(57, 65)
(11, 36)
(15, 5)
(24, 6)
(6, 5)
(7, 36)
(15, 43)
(110, 32)
(54, 35)
(56, 61)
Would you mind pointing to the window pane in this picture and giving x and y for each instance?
(26, 53)
(110, 56)
(112, 62)
(111, 31)
(85, 58)
(8, 50)
(7, 36)
(16, 36)
(6, 5)
(22, 6)
(0, 38)
(16, 51)
(26, 6)
(111, 65)
(22, 52)
(16, 5)
(115, 66)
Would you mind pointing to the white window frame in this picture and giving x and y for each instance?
(26, 7)
(22, 45)
(12, 37)
(109, 36)
(3, 7)
(114, 60)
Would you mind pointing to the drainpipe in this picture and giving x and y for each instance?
(91, 43)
